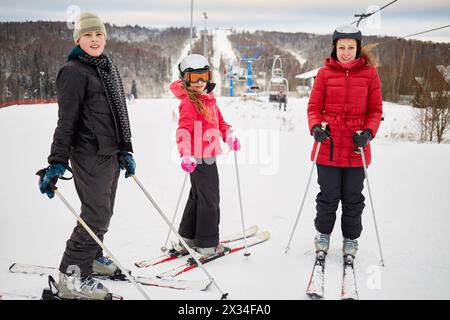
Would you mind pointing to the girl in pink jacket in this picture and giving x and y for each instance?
(200, 128)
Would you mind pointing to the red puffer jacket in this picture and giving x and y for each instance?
(197, 136)
(348, 98)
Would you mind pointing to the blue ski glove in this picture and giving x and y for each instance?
(127, 163)
(51, 174)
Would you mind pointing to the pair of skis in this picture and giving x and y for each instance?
(316, 283)
(192, 264)
(232, 244)
(144, 280)
(173, 253)
(164, 280)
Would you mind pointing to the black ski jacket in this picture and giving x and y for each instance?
(85, 119)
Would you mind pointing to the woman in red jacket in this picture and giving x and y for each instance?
(346, 96)
(200, 128)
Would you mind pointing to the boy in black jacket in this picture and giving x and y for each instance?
(93, 132)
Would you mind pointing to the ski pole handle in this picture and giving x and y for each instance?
(52, 183)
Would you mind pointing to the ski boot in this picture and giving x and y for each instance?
(104, 266)
(178, 248)
(87, 288)
(350, 247)
(219, 249)
(322, 242)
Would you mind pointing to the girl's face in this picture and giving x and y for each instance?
(198, 87)
(346, 50)
(93, 43)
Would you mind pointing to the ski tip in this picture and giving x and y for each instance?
(264, 234)
(314, 296)
(350, 298)
(12, 266)
(207, 286)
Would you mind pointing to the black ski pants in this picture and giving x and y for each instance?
(95, 178)
(343, 184)
(201, 215)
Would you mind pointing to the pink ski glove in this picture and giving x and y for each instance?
(233, 143)
(188, 164)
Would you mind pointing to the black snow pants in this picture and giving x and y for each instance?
(95, 178)
(201, 215)
(343, 184)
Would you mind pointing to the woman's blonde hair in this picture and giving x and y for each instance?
(367, 53)
(195, 98)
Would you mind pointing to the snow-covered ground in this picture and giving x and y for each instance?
(409, 183)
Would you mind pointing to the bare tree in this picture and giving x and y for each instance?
(434, 100)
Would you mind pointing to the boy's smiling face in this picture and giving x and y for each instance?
(93, 43)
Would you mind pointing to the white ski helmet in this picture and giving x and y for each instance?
(193, 62)
(347, 31)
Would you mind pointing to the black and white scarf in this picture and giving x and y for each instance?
(114, 92)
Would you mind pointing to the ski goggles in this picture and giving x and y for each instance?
(197, 76)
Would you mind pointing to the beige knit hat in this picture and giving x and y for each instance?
(87, 22)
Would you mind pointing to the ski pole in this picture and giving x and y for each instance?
(164, 248)
(240, 204)
(191, 252)
(324, 126)
(371, 204)
(53, 188)
(304, 196)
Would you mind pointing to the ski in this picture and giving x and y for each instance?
(18, 296)
(199, 285)
(50, 293)
(315, 288)
(173, 254)
(191, 264)
(349, 290)
(47, 294)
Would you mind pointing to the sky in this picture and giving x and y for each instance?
(320, 17)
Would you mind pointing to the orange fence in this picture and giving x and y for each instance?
(20, 102)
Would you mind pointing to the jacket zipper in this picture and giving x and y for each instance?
(346, 89)
(217, 121)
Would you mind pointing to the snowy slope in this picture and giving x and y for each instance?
(222, 49)
(409, 183)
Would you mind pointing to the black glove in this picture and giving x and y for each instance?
(361, 140)
(319, 133)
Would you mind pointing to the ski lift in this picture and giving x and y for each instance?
(277, 81)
